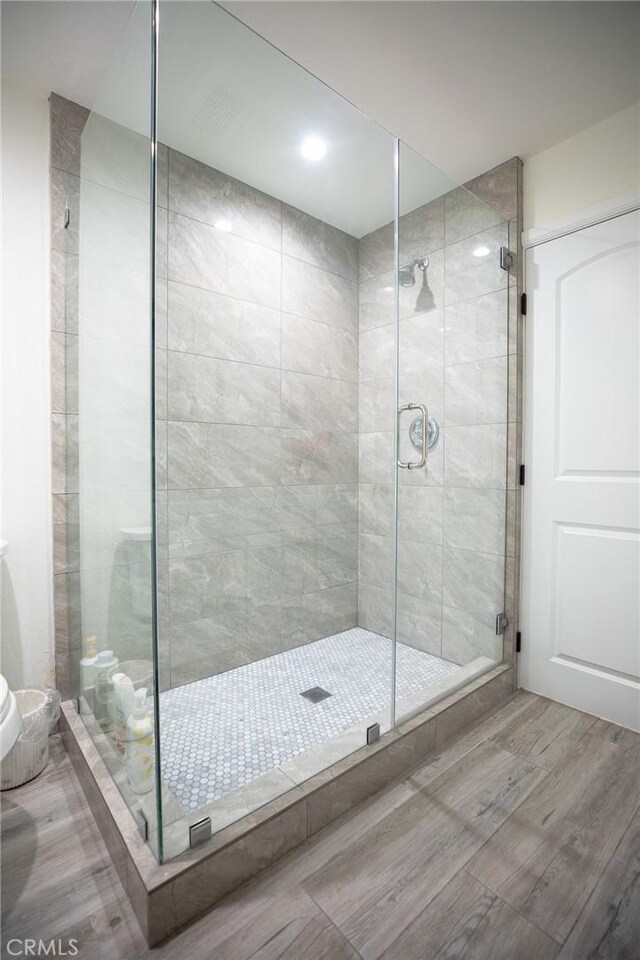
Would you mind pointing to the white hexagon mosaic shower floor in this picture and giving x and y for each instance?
(224, 731)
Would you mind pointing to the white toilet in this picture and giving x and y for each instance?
(10, 719)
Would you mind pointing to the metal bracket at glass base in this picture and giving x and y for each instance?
(142, 824)
(199, 831)
(373, 733)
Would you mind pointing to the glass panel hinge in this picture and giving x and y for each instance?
(506, 258)
(501, 624)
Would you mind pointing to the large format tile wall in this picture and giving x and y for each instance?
(101, 398)
(261, 420)
(456, 346)
(259, 406)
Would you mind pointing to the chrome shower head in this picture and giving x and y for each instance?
(406, 273)
(406, 276)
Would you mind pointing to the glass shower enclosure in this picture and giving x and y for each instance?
(292, 362)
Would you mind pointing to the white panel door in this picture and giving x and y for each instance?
(581, 539)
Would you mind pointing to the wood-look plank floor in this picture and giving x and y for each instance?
(519, 841)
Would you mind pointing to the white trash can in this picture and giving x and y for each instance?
(39, 710)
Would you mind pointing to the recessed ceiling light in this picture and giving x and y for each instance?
(388, 289)
(313, 148)
(225, 225)
(481, 251)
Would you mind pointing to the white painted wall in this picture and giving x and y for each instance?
(26, 617)
(594, 166)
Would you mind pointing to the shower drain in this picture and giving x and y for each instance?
(315, 694)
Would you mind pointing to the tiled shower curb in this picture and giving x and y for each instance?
(167, 897)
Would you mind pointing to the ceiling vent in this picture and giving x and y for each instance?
(218, 112)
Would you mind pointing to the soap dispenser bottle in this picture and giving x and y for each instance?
(140, 745)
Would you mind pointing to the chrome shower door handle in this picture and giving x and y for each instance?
(424, 413)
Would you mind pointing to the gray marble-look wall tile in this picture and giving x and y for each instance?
(202, 256)
(58, 373)
(476, 392)
(420, 570)
(318, 349)
(115, 233)
(202, 193)
(476, 456)
(66, 533)
(311, 292)
(67, 612)
(465, 215)
(376, 252)
(465, 637)
(319, 403)
(376, 405)
(376, 463)
(421, 231)
(64, 191)
(64, 449)
(161, 453)
(161, 383)
(222, 391)
(204, 648)
(58, 291)
(476, 329)
(222, 455)
(376, 357)
(499, 187)
(375, 606)
(318, 243)
(421, 342)
(420, 514)
(473, 582)
(376, 302)
(375, 509)
(470, 271)
(116, 157)
(201, 587)
(318, 456)
(67, 120)
(214, 325)
(474, 519)
(307, 617)
(375, 560)
(420, 623)
(422, 386)
(226, 519)
(332, 503)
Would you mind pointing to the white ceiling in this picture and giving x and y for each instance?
(467, 84)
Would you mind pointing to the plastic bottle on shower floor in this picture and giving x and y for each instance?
(124, 702)
(140, 745)
(87, 672)
(105, 666)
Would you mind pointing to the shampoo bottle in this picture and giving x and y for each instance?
(123, 706)
(140, 745)
(87, 673)
(103, 669)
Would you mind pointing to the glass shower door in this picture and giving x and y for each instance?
(452, 355)
(114, 592)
